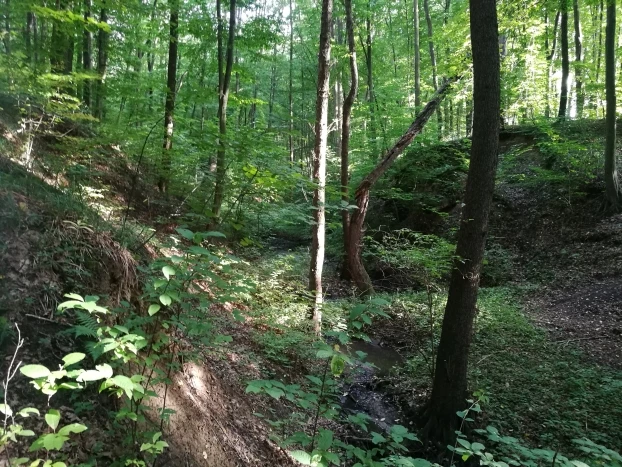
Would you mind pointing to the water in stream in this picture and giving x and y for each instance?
(366, 393)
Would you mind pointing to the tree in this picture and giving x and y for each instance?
(578, 43)
(417, 55)
(348, 103)
(611, 173)
(450, 379)
(319, 164)
(169, 105)
(87, 51)
(102, 64)
(224, 80)
(563, 96)
(357, 220)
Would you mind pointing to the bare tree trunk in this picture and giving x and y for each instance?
(224, 80)
(7, 27)
(319, 165)
(102, 64)
(357, 219)
(87, 51)
(428, 20)
(273, 78)
(611, 173)
(449, 391)
(291, 84)
(417, 56)
(563, 98)
(578, 43)
(169, 106)
(549, 59)
(370, 78)
(348, 103)
(28, 36)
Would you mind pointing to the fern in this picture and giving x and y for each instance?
(86, 325)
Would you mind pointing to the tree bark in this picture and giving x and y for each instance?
(360, 277)
(428, 20)
(7, 27)
(291, 84)
(563, 98)
(319, 165)
(169, 105)
(87, 52)
(102, 64)
(417, 56)
(611, 173)
(450, 380)
(348, 103)
(28, 36)
(578, 43)
(550, 55)
(224, 80)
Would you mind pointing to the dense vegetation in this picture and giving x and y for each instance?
(321, 233)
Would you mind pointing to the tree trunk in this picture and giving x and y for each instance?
(450, 380)
(28, 36)
(87, 51)
(291, 84)
(348, 103)
(417, 56)
(169, 106)
(563, 98)
(7, 27)
(319, 165)
(578, 43)
(370, 78)
(102, 64)
(224, 80)
(600, 39)
(357, 219)
(611, 173)
(428, 20)
(549, 58)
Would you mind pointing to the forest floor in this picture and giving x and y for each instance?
(548, 347)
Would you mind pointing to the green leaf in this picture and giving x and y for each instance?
(213, 234)
(74, 296)
(324, 353)
(6, 410)
(165, 299)
(337, 365)
(153, 309)
(301, 456)
(377, 438)
(464, 443)
(124, 383)
(35, 371)
(275, 393)
(27, 411)
(476, 447)
(73, 358)
(325, 440)
(52, 418)
(168, 272)
(187, 234)
(72, 428)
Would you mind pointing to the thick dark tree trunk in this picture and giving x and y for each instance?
(319, 165)
(224, 80)
(169, 106)
(87, 52)
(348, 103)
(578, 44)
(611, 173)
(102, 65)
(563, 97)
(450, 380)
(357, 219)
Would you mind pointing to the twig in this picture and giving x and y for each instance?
(46, 319)
(566, 341)
(10, 374)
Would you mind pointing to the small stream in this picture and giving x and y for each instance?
(365, 394)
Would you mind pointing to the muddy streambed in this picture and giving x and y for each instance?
(366, 391)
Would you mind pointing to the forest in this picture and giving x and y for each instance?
(357, 233)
